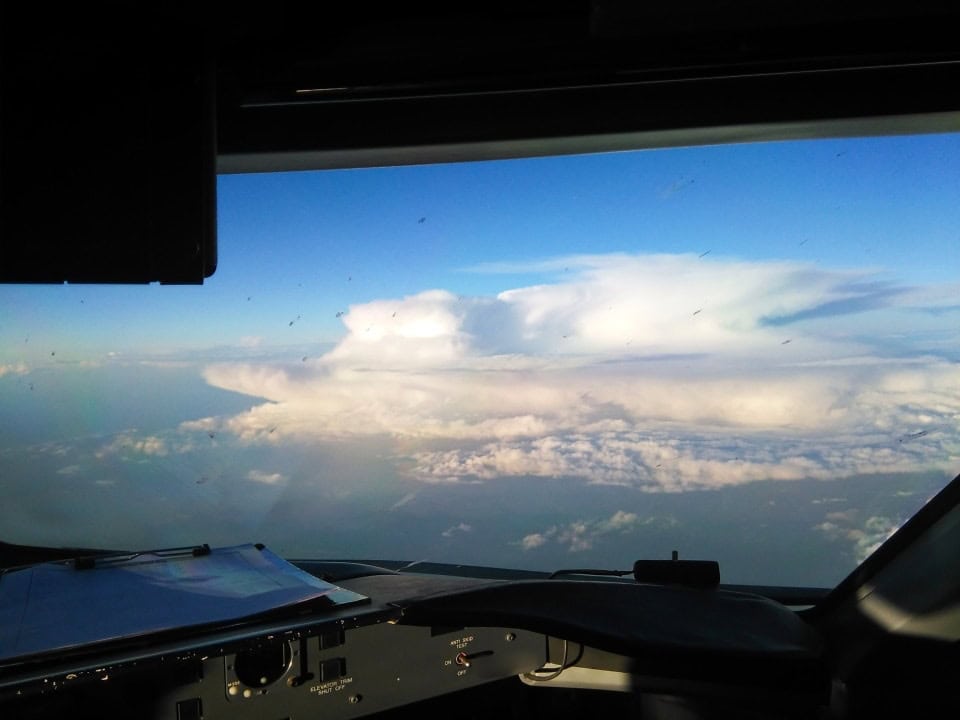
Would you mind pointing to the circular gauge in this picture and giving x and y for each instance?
(263, 666)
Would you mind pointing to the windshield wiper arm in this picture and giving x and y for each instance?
(88, 562)
(588, 571)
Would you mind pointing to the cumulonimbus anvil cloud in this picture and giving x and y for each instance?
(668, 372)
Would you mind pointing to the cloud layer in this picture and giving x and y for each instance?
(658, 461)
(668, 372)
(581, 535)
(17, 368)
(864, 535)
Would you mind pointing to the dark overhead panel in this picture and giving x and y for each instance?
(114, 121)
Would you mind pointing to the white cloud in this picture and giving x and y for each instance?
(663, 461)
(207, 424)
(422, 329)
(532, 541)
(576, 536)
(865, 537)
(69, 470)
(458, 528)
(127, 443)
(19, 368)
(628, 370)
(265, 478)
(620, 520)
(405, 500)
(581, 535)
(876, 531)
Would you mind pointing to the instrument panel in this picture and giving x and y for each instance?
(420, 637)
(342, 674)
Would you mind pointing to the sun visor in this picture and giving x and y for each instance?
(107, 162)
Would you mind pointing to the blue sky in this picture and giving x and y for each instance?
(633, 324)
(312, 244)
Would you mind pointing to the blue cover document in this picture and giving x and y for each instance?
(56, 606)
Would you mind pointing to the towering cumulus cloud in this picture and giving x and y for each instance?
(665, 372)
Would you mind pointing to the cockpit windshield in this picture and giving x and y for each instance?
(746, 353)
